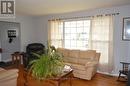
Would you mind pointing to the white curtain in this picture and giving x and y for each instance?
(55, 33)
(101, 39)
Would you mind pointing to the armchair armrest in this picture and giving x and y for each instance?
(25, 59)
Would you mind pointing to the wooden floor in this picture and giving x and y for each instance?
(98, 80)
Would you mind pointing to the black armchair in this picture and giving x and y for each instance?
(30, 49)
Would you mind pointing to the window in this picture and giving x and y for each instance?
(95, 34)
(76, 34)
(70, 34)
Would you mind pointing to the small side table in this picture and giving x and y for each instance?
(17, 58)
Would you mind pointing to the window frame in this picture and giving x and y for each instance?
(76, 27)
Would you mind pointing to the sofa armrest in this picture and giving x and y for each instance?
(91, 63)
(8, 74)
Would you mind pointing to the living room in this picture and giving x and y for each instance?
(34, 22)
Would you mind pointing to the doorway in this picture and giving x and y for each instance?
(9, 39)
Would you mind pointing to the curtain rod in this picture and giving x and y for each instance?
(111, 14)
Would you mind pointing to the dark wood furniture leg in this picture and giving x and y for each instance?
(119, 76)
(128, 83)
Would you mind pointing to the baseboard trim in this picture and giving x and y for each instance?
(110, 74)
(7, 60)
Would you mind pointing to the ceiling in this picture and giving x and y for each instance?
(45, 7)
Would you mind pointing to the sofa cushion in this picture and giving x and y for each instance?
(83, 61)
(89, 54)
(74, 53)
(66, 52)
(78, 67)
(60, 50)
(83, 75)
(91, 64)
(70, 59)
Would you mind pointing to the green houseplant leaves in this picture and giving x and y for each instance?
(48, 65)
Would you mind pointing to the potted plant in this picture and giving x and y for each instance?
(48, 65)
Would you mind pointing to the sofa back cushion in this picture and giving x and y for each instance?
(72, 56)
(60, 50)
(66, 52)
(71, 60)
(63, 51)
(89, 54)
(74, 53)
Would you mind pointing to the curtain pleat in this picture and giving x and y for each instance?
(55, 33)
(102, 40)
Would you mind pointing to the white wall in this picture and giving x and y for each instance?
(28, 29)
(121, 48)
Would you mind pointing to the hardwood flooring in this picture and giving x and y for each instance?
(98, 80)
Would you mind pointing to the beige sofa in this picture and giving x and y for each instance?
(84, 63)
(8, 77)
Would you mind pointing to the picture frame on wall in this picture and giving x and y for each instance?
(126, 29)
